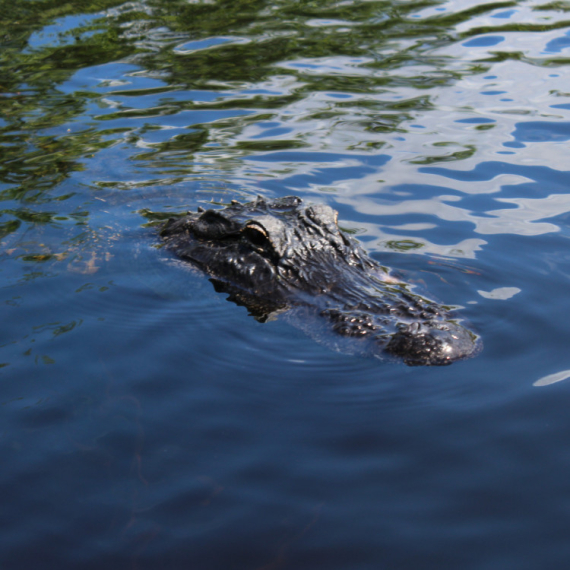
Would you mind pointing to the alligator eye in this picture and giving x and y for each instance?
(256, 235)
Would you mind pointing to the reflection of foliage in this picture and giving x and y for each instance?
(269, 145)
(280, 32)
(273, 33)
(29, 79)
(563, 6)
(390, 65)
(9, 227)
(40, 162)
(45, 67)
(463, 154)
(157, 218)
(404, 245)
(33, 163)
(187, 143)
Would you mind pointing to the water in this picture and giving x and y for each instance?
(148, 423)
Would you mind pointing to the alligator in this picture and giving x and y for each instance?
(276, 256)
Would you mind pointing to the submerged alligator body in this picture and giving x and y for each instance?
(284, 255)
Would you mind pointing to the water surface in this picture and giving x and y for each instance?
(147, 422)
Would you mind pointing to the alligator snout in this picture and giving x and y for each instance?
(433, 343)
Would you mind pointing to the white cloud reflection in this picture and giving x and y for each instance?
(552, 378)
(524, 219)
(500, 294)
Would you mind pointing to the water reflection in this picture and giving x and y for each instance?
(542, 131)
(501, 293)
(552, 378)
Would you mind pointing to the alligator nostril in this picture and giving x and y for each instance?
(433, 343)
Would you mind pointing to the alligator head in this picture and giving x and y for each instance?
(274, 255)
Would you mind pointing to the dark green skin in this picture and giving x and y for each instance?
(274, 256)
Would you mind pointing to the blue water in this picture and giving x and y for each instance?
(147, 422)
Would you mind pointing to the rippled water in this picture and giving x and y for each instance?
(148, 423)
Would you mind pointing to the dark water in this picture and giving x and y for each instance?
(146, 422)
